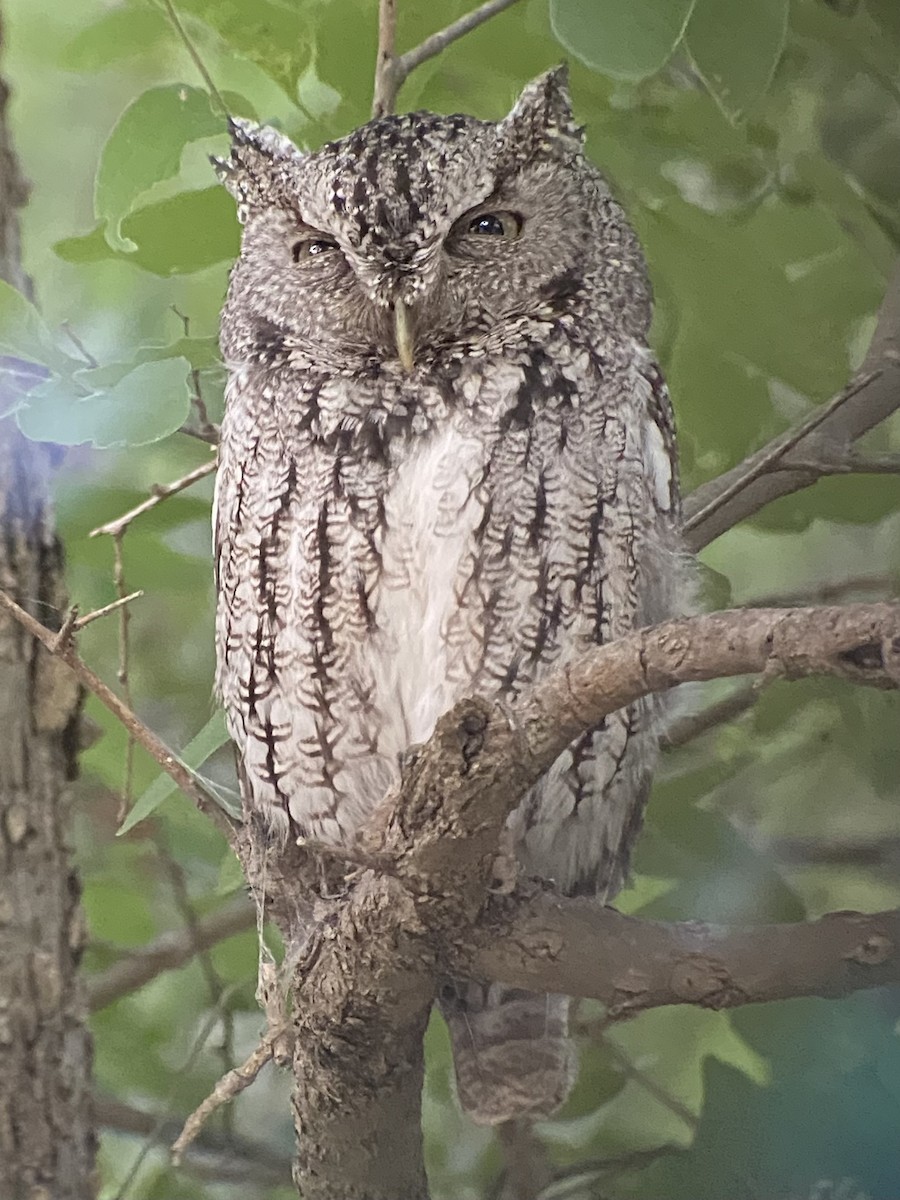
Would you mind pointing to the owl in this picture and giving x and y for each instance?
(447, 468)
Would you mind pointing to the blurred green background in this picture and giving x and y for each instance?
(759, 157)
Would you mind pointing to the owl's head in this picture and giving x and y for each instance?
(420, 238)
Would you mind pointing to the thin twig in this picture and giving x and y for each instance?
(79, 345)
(885, 586)
(64, 635)
(232, 1159)
(776, 450)
(214, 983)
(208, 434)
(153, 1137)
(438, 42)
(852, 463)
(392, 70)
(167, 953)
(154, 745)
(122, 673)
(649, 1084)
(105, 610)
(229, 1086)
(718, 505)
(206, 427)
(160, 492)
(197, 60)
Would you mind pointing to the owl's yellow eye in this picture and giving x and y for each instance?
(495, 224)
(308, 248)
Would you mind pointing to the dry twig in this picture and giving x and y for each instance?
(229, 1086)
(159, 493)
(141, 733)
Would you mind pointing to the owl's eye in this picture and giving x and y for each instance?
(496, 224)
(312, 247)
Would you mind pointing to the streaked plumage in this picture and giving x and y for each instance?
(390, 540)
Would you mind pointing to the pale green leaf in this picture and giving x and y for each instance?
(145, 405)
(736, 47)
(276, 36)
(211, 737)
(628, 39)
(23, 333)
(120, 33)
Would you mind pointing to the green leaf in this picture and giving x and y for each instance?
(736, 47)
(628, 39)
(276, 37)
(121, 33)
(145, 147)
(231, 874)
(23, 333)
(147, 404)
(186, 233)
(196, 752)
(887, 14)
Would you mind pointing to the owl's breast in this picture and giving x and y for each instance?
(366, 585)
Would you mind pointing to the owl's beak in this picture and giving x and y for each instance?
(403, 335)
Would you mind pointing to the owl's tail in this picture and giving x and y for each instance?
(511, 1050)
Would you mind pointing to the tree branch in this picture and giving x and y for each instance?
(392, 70)
(545, 942)
(438, 42)
(155, 747)
(167, 953)
(799, 457)
(158, 493)
(224, 1159)
(366, 974)
(386, 82)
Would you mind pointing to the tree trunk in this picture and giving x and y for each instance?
(46, 1130)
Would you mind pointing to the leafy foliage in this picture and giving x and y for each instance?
(757, 148)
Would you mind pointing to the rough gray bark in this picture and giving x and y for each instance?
(46, 1129)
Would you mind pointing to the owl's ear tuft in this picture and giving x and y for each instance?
(251, 171)
(542, 116)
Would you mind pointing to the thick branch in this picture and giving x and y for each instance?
(801, 456)
(548, 943)
(364, 985)
(505, 753)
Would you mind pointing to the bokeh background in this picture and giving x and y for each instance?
(760, 161)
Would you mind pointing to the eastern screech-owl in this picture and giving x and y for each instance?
(447, 468)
